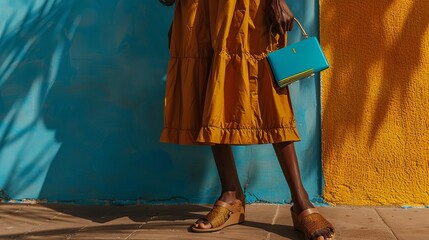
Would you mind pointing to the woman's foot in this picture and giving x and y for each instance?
(308, 220)
(230, 197)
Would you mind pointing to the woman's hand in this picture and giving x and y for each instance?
(167, 2)
(279, 14)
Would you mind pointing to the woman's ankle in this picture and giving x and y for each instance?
(302, 204)
(231, 196)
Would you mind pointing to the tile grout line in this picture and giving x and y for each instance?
(276, 214)
(47, 221)
(140, 227)
(133, 232)
(71, 235)
(387, 225)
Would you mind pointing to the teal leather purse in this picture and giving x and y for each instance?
(297, 61)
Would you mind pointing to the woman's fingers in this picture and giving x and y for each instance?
(281, 16)
(285, 25)
(280, 28)
(290, 25)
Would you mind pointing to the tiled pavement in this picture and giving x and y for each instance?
(171, 221)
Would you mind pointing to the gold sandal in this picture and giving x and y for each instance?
(221, 216)
(310, 221)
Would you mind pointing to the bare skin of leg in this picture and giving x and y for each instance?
(231, 188)
(286, 155)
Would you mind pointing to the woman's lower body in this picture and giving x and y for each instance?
(220, 91)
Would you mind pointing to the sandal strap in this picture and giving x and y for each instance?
(218, 216)
(315, 222)
(220, 212)
(306, 212)
(233, 208)
(310, 221)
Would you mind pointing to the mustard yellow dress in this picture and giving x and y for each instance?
(219, 87)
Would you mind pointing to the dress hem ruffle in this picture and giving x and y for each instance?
(216, 135)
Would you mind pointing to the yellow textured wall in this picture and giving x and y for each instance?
(375, 101)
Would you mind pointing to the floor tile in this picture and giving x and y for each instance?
(407, 224)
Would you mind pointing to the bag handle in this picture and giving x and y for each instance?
(304, 33)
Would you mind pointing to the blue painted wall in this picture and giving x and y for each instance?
(81, 98)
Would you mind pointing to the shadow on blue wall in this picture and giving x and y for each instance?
(81, 99)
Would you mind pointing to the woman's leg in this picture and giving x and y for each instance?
(286, 155)
(231, 188)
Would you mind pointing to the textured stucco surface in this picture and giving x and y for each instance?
(375, 101)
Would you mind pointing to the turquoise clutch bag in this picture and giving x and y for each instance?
(297, 61)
